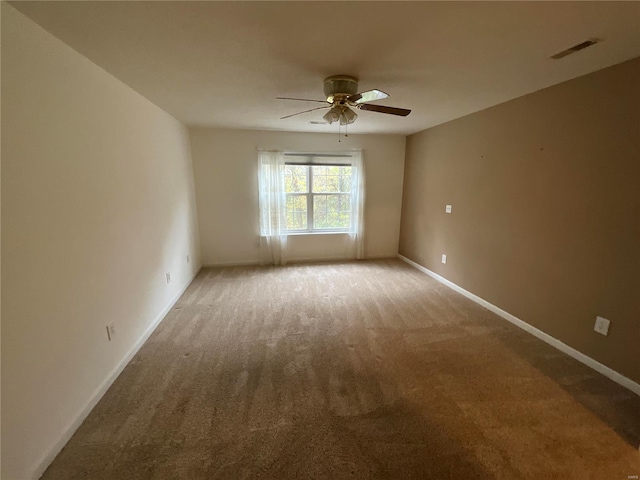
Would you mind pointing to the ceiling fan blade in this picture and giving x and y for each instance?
(306, 111)
(368, 96)
(301, 99)
(382, 109)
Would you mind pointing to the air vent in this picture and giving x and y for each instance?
(575, 48)
(314, 122)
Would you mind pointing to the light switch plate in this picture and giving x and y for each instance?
(444, 258)
(447, 209)
(602, 325)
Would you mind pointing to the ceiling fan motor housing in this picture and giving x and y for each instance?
(342, 85)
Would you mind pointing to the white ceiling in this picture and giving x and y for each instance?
(221, 64)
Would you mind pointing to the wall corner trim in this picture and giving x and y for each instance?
(99, 392)
(554, 342)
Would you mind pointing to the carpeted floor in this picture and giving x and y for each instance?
(356, 370)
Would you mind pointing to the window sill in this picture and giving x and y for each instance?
(318, 233)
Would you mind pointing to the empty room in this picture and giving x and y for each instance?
(320, 240)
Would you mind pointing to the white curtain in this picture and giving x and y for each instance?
(273, 208)
(356, 230)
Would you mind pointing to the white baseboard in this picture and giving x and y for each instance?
(320, 259)
(242, 263)
(289, 260)
(339, 258)
(98, 393)
(554, 342)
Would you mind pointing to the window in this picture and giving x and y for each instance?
(318, 197)
(310, 193)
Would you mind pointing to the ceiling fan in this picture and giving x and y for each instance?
(341, 96)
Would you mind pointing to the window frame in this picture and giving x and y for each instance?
(310, 230)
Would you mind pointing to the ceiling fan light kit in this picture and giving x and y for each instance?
(341, 94)
(340, 113)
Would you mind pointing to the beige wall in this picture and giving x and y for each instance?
(546, 217)
(225, 170)
(97, 204)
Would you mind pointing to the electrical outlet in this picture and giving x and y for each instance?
(111, 331)
(444, 258)
(168, 277)
(447, 209)
(602, 325)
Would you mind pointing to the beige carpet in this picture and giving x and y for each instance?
(357, 370)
